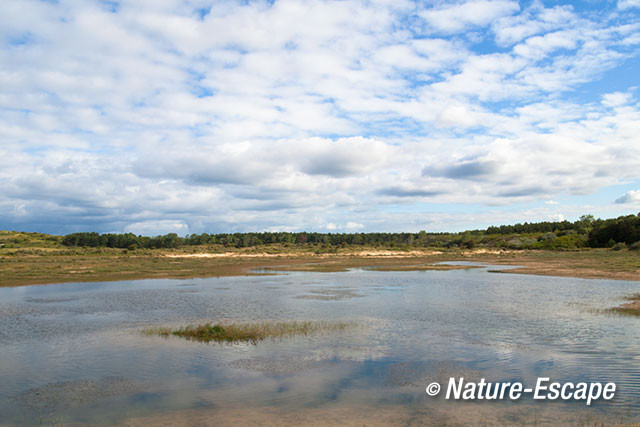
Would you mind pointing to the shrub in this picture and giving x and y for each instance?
(547, 236)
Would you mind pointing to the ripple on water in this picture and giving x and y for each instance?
(65, 394)
(279, 365)
(331, 294)
(419, 374)
(50, 300)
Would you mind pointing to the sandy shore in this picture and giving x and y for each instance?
(373, 254)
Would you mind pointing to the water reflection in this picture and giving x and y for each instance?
(73, 353)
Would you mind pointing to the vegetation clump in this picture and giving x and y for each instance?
(620, 246)
(249, 332)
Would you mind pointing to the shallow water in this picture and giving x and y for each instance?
(74, 354)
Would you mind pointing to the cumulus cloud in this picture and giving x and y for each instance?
(200, 115)
(457, 17)
(626, 4)
(629, 197)
(532, 21)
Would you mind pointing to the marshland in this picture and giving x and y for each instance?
(300, 334)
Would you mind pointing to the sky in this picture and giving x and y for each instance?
(191, 116)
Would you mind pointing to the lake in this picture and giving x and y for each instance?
(74, 353)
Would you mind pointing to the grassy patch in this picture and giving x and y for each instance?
(249, 332)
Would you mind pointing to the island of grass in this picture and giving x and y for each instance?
(249, 332)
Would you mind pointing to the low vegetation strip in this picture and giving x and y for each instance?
(250, 332)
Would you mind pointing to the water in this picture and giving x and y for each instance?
(74, 354)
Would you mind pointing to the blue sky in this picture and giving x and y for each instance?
(157, 116)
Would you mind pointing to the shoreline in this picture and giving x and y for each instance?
(30, 269)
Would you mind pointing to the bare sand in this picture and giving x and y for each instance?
(383, 254)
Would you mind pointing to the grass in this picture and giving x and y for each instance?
(17, 239)
(249, 332)
(632, 308)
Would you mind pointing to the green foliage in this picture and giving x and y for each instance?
(554, 235)
(534, 227)
(606, 233)
(566, 242)
(17, 239)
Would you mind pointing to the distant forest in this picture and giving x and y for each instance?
(617, 233)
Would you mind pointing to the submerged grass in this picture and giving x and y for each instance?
(632, 308)
(249, 332)
(428, 267)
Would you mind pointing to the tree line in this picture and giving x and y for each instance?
(585, 232)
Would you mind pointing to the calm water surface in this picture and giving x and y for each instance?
(74, 354)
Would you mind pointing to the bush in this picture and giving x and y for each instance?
(566, 242)
(619, 246)
(547, 236)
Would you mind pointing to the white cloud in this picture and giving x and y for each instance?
(616, 99)
(353, 226)
(458, 17)
(626, 4)
(304, 113)
(540, 46)
(629, 197)
(532, 21)
(155, 228)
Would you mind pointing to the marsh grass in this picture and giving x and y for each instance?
(250, 332)
(625, 311)
(632, 308)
